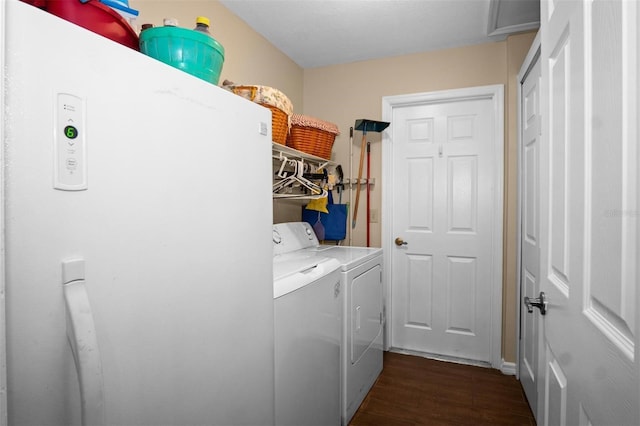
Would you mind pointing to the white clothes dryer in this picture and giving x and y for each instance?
(362, 348)
(361, 358)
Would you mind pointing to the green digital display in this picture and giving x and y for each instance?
(71, 132)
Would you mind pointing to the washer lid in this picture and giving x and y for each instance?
(292, 273)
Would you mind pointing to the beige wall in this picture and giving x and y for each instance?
(517, 49)
(344, 93)
(249, 57)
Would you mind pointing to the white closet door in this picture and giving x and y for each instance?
(589, 226)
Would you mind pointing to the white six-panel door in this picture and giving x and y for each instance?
(589, 187)
(443, 211)
(529, 151)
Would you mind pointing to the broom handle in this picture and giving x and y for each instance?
(362, 148)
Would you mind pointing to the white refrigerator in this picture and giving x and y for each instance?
(137, 235)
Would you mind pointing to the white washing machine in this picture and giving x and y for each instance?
(308, 303)
(362, 347)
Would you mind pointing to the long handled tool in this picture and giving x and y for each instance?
(350, 210)
(368, 193)
(364, 126)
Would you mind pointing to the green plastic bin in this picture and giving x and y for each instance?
(190, 51)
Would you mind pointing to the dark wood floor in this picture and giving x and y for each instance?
(418, 391)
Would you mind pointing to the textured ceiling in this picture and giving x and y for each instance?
(316, 33)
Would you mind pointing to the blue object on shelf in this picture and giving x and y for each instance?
(121, 6)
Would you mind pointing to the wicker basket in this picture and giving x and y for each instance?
(276, 101)
(312, 136)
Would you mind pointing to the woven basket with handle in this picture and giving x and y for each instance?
(312, 135)
(276, 101)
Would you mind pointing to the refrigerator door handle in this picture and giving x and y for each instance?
(84, 344)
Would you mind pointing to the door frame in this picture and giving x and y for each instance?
(494, 93)
(3, 342)
(532, 56)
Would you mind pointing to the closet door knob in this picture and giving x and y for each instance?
(537, 302)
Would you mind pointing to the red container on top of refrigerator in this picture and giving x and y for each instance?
(94, 16)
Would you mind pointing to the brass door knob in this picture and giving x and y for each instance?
(400, 242)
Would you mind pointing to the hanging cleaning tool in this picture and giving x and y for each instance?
(350, 183)
(339, 184)
(364, 126)
(368, 193)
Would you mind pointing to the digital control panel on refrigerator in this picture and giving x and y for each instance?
(70, 162)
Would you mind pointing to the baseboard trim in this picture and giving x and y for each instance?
(445, 358)
(508, 368)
